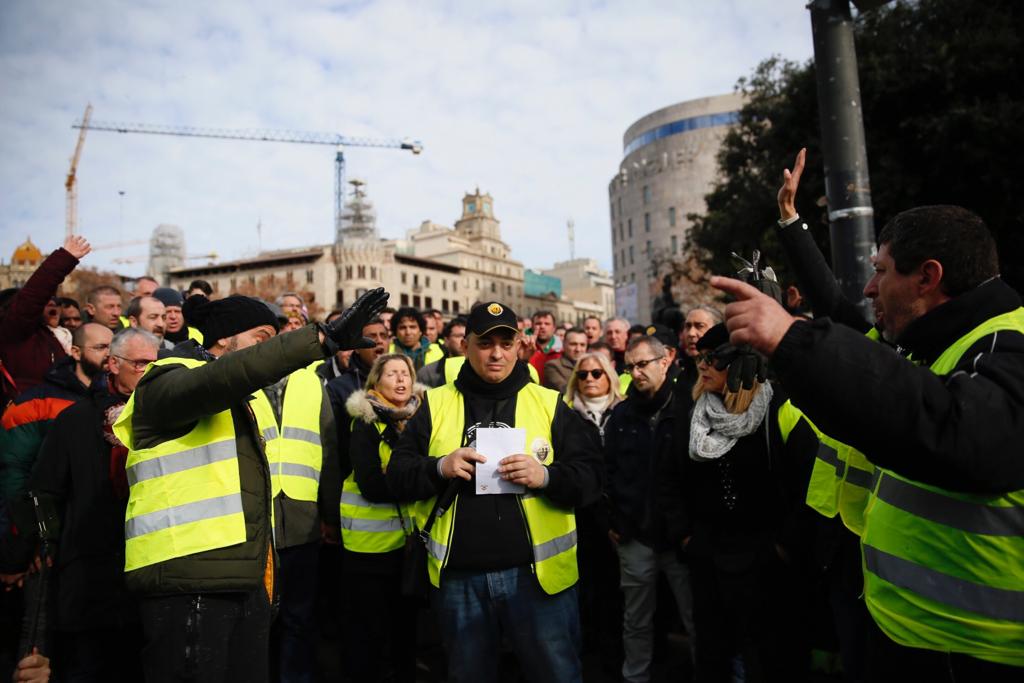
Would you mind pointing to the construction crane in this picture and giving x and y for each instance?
(71, 184)
(262, 135)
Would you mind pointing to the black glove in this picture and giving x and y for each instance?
(346, 331)
(745, 366)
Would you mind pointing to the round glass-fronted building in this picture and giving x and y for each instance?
(668, 166)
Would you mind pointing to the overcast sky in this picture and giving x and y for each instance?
(526, 99)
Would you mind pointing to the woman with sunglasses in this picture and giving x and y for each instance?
(593, 391)
(740, 476)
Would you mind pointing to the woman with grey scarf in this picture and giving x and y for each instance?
(593, 390)
(740, 473)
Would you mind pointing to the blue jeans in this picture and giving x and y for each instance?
(477, 609)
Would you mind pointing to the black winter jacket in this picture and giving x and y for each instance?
(961, 431)
(73, 469)
(640, 433)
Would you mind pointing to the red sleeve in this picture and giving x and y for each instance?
(26, 309)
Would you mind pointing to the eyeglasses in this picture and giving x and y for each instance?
(137, 365)
(596, 373)
(628, 368)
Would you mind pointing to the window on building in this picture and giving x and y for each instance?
(415, 279)
(373, 272)
(619, 202)
(348, 272)
(478, 283)
(271, 279)
(611, 210)
(234, 285)
(631, 254)
(340, 297)
(416, 301)
(444, 305)
(362, 271)
(647, 222)
(252, 279)
(675, 245)
(428, 302)
(622, 235)
(455, 286)
(444, 285)
(508, 290)
(426, 283)
(632, 277)
(672, 216)
(647, 194)
(615, 259)
(360, 291)
(629, 224)
(403, 277)
(309, 276)
(622, 257)
(455, 307)
(648, 249)
(405, 300)
(494, 288)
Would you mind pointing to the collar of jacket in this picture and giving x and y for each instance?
(62, 374)
(645, 405)
(471, 384)
(189, 348)
(931, 334)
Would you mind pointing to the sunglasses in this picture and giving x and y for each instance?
(711, 360)
(596, 373)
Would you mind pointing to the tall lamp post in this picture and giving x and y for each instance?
(847, 185)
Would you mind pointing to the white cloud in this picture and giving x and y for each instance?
(527, 99)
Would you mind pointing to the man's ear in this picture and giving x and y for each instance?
(90, 309)
(930, 278)
(76, 353)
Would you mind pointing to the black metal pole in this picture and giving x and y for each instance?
(847, 186)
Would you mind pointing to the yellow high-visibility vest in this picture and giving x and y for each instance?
(368, 527)
(944, 570)
(552, 529)
(185, 494)
(296, 458)
(193, 333)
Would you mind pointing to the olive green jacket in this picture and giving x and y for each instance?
(169, 400)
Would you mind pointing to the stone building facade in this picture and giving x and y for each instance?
(669, 165)
(24, 261)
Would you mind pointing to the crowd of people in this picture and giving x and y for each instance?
(199, 488)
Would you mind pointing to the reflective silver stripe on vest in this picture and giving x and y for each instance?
(974, 518)
(379, 525)
(300, 434)
(182, 514)
(438, 550)
(549, 549)
(181, 461)
(859, 477)
(293, 470)
(349, 498)
(269, 433)
(995, 603)
(828, 455)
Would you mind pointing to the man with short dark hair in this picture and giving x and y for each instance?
(199, 287)
(408, 328)
(445, 370)
(558, 371)
(941, 571)
(592, 326)
(103, 304)
(70, 313)
(547, 343)
(503, 565)
(639, 434)
(148, 313)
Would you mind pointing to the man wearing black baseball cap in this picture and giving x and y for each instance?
(198, 540)
(508, 559)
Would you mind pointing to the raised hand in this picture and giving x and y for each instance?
(346, 331)
(77, 246)
(790, 183)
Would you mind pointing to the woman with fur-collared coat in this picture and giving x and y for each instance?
(380, 622)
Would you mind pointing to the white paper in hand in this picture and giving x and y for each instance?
(496, 444)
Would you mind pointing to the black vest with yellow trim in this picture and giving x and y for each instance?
(945, 570)
(296, 457)
(368, 527)
(186, 499)
(552, 529)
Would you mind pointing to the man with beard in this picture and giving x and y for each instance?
(81, 469)
(148, 313)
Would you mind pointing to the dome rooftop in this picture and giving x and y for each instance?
(27, 254)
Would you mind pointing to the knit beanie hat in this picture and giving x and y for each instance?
(168, 296)
(225, 318)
